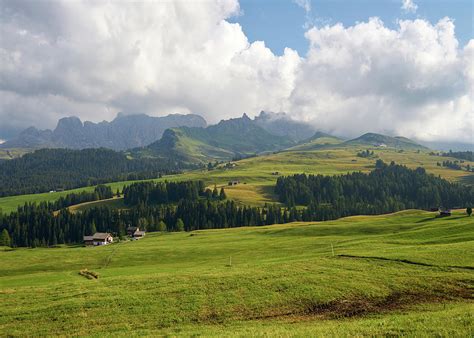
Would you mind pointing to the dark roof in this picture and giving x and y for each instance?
(88, 238)
(130, 228)
(101, 235)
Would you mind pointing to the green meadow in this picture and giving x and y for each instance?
(408, 273)
(255, 174)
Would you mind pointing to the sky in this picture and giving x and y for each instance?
(399, 67)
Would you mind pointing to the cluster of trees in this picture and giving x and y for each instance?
(388, 188)
(37, 225)
(146, 193)
(452, 165)
(100, 192)
(53, 169)
(462, 155)
(366, 153)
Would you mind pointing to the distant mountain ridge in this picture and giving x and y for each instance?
(124, 132)
(223, 141)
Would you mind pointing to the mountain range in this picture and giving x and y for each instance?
(237, 137)
(133, 131)
(124, 132)
(187, 140)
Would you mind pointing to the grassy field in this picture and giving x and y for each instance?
(402, 274)
(8, 154)
(256, 173)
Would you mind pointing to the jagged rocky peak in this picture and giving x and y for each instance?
(124, 132)
(71, 122)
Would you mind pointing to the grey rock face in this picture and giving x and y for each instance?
(124, 132)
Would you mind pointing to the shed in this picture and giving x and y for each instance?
(138, 234)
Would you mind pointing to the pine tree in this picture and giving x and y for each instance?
(215, 193)
(5, 238)
(93, 228)
(469, 211)
(162, 226)
(222, 195)
(179, 225)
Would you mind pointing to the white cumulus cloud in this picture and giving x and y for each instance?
(414, 81)
(409, 6)
(93, 59)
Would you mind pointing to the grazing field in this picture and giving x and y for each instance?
(116, 203)
(407, 273)
(256, 173)
(8, 154)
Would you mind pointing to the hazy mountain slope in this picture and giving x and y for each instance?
(124, 132)
(318, 140)
(373, 139)
(282, 125)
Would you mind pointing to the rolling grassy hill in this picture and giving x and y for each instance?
(256, 173)
(223, 141)
(401, 274)
(372, 139)
(317, 141)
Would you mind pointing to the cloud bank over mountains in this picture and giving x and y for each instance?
(94, 59)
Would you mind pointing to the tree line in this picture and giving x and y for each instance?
(387, 188)
(100, 192)
(169, 192)
(461, 155)
(62, 169)
(37, 225)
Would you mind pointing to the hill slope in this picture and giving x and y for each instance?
(389, 275)
(229, 138)
(52, 169)
(318, 140)
(373, 139)
(124, 132)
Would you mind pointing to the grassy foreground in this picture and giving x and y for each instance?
(402, 274)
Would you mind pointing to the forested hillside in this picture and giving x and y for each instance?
(53, 169)
(387, 188)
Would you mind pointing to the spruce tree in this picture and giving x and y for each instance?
(215, 193)
(162, 226)
(222, 195)
(5, 238)
(179, 225)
